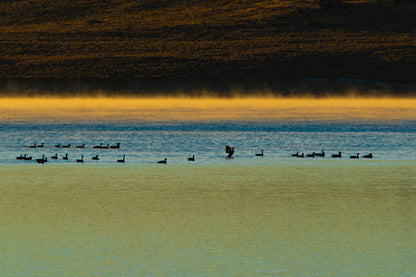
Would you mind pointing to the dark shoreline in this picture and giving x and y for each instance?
(310, 87)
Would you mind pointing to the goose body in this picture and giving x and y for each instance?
(117, 146)
(192, 159)
(162, 161)
(81, 160)
(32, 146)
(66, 146)
(40, 146)
(65, 157)
(57, 145)
(122, 160)
(296, 154)
(369, 156)
(311, 155)
(301, 156)
(21, 157)
(55, 157)
(339, 155)
(42, 160)
(95, 158)
(355, 156)
(229, 150)
(322, 154)
(80, 146)
(261, 154)
(98, 146)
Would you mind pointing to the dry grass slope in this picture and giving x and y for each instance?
(206, 39)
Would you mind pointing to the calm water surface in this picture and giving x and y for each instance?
(248, 216)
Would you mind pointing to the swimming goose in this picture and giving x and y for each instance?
(369, 156)
(122, 160)
(355, 156)
(260, 155)
(192, 159)
(21, 157)
(295, 155)
(98, 146)
(41, 145)
(81, 160)
(301, 156)
(162, 161)
(55, 157)
(115, 146)
(311, 155)
(95, 158)
(57, 145)
(322, 154)
(32, 146)
(337, 155)
(106, 147)
(42, 160)
(27, 158)
(65, 157)
(80, 146)
(66, 146)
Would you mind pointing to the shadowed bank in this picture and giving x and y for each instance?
(216, 44)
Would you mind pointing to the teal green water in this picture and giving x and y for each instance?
(275, 218)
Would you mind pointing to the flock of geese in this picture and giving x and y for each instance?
(337, 155)
(229, 150)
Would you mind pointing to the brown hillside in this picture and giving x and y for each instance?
(206, 39)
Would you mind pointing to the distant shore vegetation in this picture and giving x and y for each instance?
(202, 41)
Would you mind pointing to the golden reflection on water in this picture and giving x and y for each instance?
(207, 108)
(281, 219)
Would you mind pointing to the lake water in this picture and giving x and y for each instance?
(249, 216)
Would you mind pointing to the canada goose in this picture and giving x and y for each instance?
(65, 157)
(98, 146)
(322, 154)
(57, 145)
(301, 156)
(80, 146)
(55, 157)
(295, 155)
(66, 146)
(21, 157)
(229, 150)
(192, 159)
(95, 158)
(27, 158)
(106, 147)
(337, 155)
(369, 156)
(42, 160)
(260, 155)
(115, 146)
(162, 161)
(311, 155)
(41, 145)
(122, 160)
(355, 156)
(81, 160)
(32, 146)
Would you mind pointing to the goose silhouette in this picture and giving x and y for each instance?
(261, 154)
(32, 146)
(117, 146)
(98, 146)
(40, 146)
(339, 155)
(66, 146)
(27, 158)
(122, 160)
(42, 160)
(21, 157)
(229, 150)
(295, 155)
(81, 160)
(57, 145)
(355, 156)
(65, 157)
(95, 158)
(192, 159)
(322, 154)
(301, 156)
(369, 156)
(105, 147)
(311, 155)
(80, 146)
(162, 161)
(55, 156)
